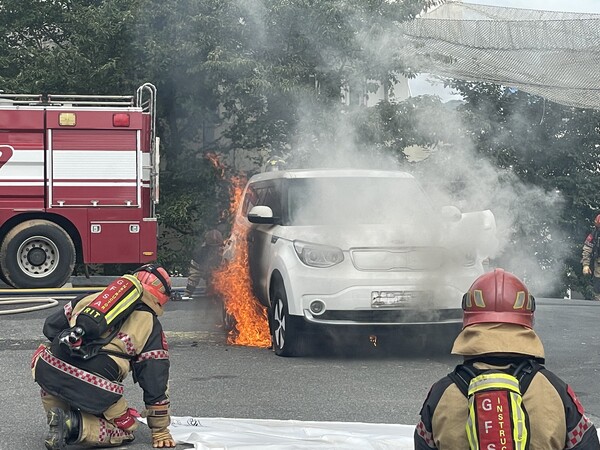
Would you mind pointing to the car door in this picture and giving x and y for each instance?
(260, 239)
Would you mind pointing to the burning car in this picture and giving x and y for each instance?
(334, 250)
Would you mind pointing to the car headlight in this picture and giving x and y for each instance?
(318, 255)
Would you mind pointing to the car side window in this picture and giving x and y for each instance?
(263, 195)
(272, 199)
(250, 200)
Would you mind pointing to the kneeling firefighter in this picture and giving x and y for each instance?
(94, 342)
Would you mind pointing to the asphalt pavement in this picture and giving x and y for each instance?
(341, 382)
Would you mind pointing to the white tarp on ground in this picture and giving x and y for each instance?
(254, 434)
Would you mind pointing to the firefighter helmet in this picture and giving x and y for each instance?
(155, 280)
(597, 221)
(498, 297)
(274, 163)
(213, 237)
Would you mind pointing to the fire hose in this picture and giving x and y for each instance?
(46, 302)
(15, 297)
(40, 297)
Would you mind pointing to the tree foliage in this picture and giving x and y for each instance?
(242, 80)
(548, 146)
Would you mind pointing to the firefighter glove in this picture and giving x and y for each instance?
(127, 421)
(587, 270)
(161, 438)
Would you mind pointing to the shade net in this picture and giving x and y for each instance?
(551, 54)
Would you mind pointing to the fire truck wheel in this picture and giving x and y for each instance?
(37, 254)
(285, 337)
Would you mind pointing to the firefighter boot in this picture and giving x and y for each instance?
(63, 428)
(188, 293)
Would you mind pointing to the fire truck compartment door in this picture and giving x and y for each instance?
(114, 241)
(22, 159)
(94, 168)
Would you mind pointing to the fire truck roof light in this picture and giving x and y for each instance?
(121, 120)
(67, 119)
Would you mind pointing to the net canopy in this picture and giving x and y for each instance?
(555, 55)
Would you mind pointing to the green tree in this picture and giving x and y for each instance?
(549, 146)
(67, 46)
(242, 79)
(267, 74)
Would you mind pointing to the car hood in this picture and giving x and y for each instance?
(472, 232)
(357, 236)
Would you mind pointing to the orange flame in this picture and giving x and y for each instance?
(232, 282)
(216, 162)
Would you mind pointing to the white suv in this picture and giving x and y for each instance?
(336, 250)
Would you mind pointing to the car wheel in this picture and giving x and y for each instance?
(286, 340)
(37, 254)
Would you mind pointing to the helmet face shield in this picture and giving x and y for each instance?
(498, 297)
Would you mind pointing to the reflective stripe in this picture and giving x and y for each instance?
(68, 309)
(126, 301)
(472, 426)
(425, 435)
(508, 389)
(575, 435)
(81, 374)
(520, 425)
(153, 354)
(493, 381)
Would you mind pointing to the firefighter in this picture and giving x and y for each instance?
(205, 260)
(589, 257)
(498, 315)
(83, 397)
(274, 164)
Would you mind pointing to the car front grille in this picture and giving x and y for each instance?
(397, 259)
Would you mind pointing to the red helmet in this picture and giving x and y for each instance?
(155, 280)
(498, 297)
(597, 221)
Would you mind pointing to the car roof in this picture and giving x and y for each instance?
(329, 173)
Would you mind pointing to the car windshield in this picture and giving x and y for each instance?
(353, 201)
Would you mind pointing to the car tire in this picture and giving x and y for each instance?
(229, 322)
(37, 254)
(285, 338)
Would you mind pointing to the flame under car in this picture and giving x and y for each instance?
(332, 251)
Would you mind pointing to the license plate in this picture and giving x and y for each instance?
(389, 299)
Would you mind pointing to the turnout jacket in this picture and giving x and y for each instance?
(94, 385)
(557, 419)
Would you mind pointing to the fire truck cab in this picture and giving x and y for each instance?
(78, 183)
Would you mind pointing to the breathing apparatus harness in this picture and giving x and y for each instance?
(105, 315)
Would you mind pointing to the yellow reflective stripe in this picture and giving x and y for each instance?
(497, 381)
(478, 297)
(519, 424)
(520, 300)
(127, 301)
(471, 427)
(494, 381)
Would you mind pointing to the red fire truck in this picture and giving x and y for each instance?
(78, 183)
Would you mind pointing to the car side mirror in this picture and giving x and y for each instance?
(262, 215)
(451, 214)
